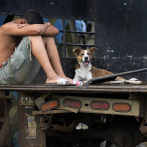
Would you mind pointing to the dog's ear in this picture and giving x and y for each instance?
(76, 51)
(92, 50)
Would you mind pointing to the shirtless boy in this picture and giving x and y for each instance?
(25, 44)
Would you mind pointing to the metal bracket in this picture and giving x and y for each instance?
(44, 126)
(143, 128)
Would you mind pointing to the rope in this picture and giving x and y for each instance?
(10, 68)
(30, 49)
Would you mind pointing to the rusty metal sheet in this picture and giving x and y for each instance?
(29, 133)
(2, 94)
(32, 127)
(26, 99)
(5, 132)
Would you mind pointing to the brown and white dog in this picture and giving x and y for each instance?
(84, 71)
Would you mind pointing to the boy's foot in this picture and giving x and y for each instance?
(78, 83)
(63, 81)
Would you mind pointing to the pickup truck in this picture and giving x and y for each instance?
(85, 116)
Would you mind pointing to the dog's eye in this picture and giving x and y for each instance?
(82, 54)
(88, 54)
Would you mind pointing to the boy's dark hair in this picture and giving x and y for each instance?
(32, 17)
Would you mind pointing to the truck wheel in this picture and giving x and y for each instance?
(127, 136)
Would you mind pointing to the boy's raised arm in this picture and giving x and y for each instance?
(51, 31)
(28, 30)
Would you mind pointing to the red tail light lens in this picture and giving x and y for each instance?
(96, 105)
(72, 103)
(50, 105)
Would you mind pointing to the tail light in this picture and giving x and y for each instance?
(97, 105)
(54, 103)
(72, 103)
(121, 107)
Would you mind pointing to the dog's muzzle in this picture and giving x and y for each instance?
(86, 61)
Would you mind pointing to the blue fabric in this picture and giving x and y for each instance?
(59, 26)
(15, 94)
(80, 26)
(15, 144)
(46, 20)
(2, 19)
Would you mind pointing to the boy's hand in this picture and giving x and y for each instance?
(21, 25)
(48, 24)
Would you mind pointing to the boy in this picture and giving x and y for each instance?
(25, 44)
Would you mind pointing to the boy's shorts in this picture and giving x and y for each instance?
(22, 67)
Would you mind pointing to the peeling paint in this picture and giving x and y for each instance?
(129, 56)
(145, 57)
(52, 3)
(104, 57)
(111, 51)
(115, 57)
(32, 127)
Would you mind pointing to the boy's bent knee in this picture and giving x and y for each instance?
(34, 37)
(48, 39)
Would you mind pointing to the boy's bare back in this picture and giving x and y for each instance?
(7, 45)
